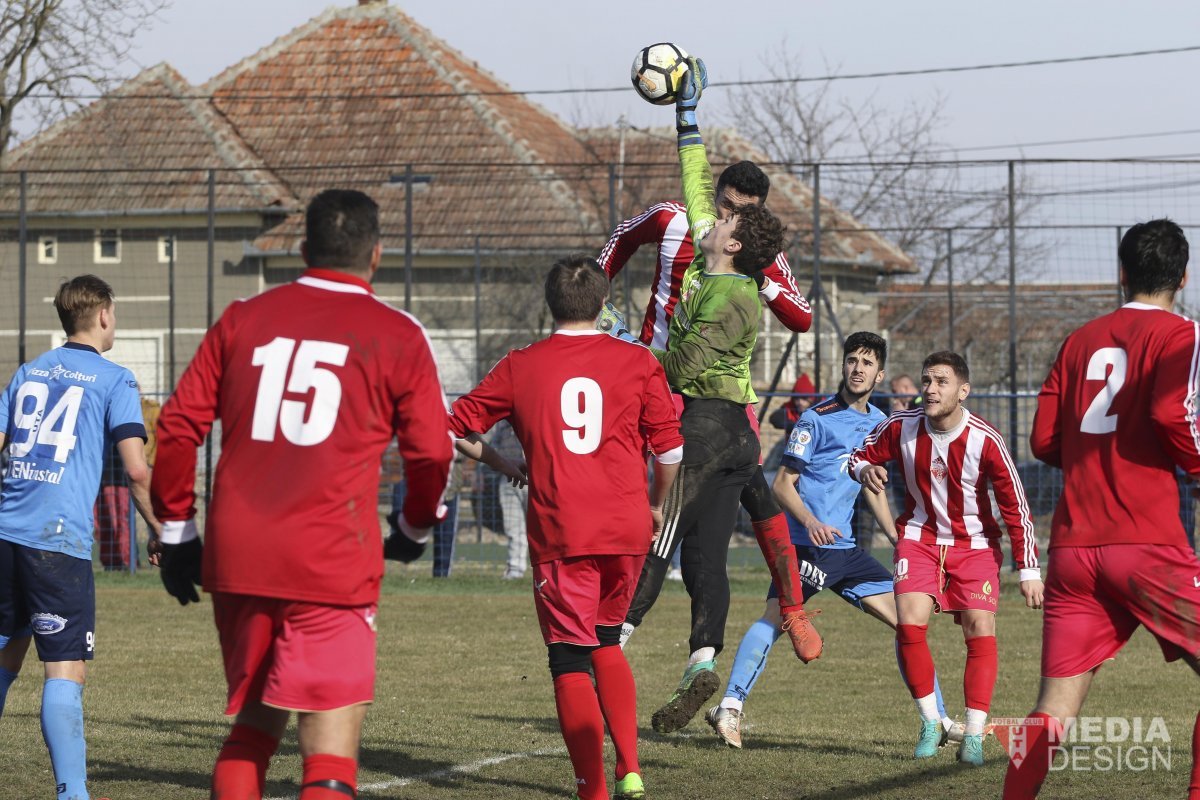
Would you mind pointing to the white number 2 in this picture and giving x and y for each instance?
(1097, 419)
(583, 412)
(271, 411)
(42, 429)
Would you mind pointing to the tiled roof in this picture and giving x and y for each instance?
(152, 122)
(653, 176)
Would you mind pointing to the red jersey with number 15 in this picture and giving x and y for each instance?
(583, 404)
(311, 381)
(1118, 413)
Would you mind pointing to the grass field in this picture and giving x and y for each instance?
(465, 709)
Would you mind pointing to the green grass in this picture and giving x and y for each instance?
(463, 678)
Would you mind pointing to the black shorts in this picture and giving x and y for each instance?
(53, 594)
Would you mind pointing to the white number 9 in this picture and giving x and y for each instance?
(583, 412)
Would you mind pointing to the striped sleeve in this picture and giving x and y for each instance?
(784, 298)
(880, 446)
(1010, 494)
(646, 228)
(1173, 404)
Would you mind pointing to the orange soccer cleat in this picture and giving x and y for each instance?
(805, 639)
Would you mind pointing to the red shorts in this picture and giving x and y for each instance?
(574, 595)
(957, 578)
(296, 656)
(1097, 596)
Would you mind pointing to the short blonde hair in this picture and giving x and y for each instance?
(78, 300)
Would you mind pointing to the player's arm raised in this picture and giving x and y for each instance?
(646, 228)
(998, 466)
(778, 289)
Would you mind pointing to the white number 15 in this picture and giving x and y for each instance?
(272, 412)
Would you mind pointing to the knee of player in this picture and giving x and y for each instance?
(976, 625)
(566, 658)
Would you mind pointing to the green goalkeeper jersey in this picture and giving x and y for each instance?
(715, 326)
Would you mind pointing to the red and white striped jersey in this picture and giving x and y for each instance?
(665, 225)
(946, 477)
(1118, 413)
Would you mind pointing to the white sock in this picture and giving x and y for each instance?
(703, 654)
(976, 719)
(731, 702)
(947, 724)
(626, 631)
(927, 706)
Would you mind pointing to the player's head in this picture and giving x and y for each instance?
(1154, 258)
(741, 184)
(576, 288)
(750, 238)
(945, 382)
(904, 384)
(864, 355)
(85, 307)
(341, 231)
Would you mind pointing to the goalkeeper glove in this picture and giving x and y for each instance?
(688, 98)
(179, 566)
(398, 546)
(612, 322)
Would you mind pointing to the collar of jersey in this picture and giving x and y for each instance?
(334, 281)
(726, 275)
(80, 346)
(580, 333)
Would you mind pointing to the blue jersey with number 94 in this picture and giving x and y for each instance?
(59, 413)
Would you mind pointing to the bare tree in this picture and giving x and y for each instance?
(51, 51)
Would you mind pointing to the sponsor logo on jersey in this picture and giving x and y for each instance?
(985, 596)
(59, 372)
(937, 467)
(987, 587)
(24, 471)
(47, 624)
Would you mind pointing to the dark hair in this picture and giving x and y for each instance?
(341, 229)
(1154, 255)
(746, 178)
(948, 358)
(761, 235)
(576, 288)
(865, 340)
(78, 300)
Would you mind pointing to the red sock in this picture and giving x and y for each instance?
(916, 659)
(241, 770)
(582, 727)
(775, 541)
(329, 777)
(618, 702)
(979, 678)
(1194, 786)
(1024, 777)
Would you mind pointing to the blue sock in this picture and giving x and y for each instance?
(751, 658)
(937, 688)
(6, 680)
(62, 728)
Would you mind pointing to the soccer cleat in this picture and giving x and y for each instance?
(933, 736)
(805, 639)
(971, 750)
(727, 722)
(630, 788)
(699, 683)
(954, 734)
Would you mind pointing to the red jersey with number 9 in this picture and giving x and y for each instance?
(1118, 413)
(583, 404)
(311, 382)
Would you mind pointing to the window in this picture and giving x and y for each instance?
(166, 249)
(47, 250)
(107, 247)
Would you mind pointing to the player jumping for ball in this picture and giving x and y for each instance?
(819, 496)
(948, 557)
(583, 405)
(1117, 414)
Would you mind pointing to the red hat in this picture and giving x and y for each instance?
(803, 385)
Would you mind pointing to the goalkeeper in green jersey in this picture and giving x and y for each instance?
(707, 360)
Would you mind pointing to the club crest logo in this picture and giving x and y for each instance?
(938, 469)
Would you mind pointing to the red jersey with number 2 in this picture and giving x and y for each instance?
(583, 404)
(1118, 413)
(311, 381)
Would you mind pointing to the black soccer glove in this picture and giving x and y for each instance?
(759, 279)
(397, 546)
(179, 565)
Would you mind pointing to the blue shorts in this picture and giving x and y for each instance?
(852, 573)
(53, 594)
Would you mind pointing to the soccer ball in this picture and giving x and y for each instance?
(658, 72)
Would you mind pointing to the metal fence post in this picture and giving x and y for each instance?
(950, 284)
(818, 290)
(171, 316)
(408, 236)
(208, 318)
(22, 270)
(478, 311)
(1012, 309)
(1120, 289)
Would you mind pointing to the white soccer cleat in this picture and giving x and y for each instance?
(727, 722)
